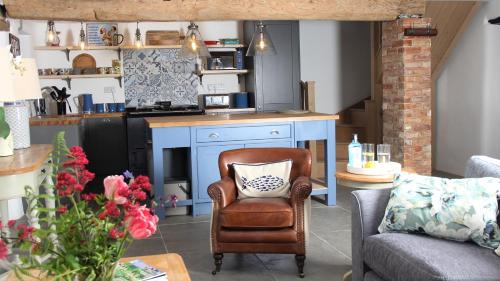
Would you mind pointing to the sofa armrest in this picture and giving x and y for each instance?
(301, 189)
(367, 211)
(223, 192)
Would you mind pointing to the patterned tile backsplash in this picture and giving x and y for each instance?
(159, 75)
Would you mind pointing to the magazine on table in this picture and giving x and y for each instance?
(137, 270)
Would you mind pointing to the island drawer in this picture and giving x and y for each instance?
(278, 131)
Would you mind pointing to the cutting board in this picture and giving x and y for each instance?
(162, 37)
(84, 61)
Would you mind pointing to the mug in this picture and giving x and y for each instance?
(87, 103)
(117, 39)
(99, 107)
(111, 107)
(120, 107)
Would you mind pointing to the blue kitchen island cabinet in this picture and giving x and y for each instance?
(206, 136)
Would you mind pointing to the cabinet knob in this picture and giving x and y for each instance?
(275, 132)
(43, 171)
(214, 136)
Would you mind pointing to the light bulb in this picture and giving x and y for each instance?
(138, 39)
(194, 46)
(50, 36)
(82, 37)
(262, 42)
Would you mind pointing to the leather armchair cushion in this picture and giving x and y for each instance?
(284, 235)
(257, 213)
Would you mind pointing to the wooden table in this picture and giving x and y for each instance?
(367, 182)
(172, 264)
(27, 167)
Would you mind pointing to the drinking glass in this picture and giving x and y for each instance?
(368, 155)
(384, 153)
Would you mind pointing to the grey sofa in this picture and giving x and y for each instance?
(411, 257)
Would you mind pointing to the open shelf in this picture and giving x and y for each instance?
(223, 71)
(68, 78)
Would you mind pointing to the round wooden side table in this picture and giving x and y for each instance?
(366, 182)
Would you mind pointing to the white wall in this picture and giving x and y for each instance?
(70, 37)
(468, 95)
(337, 56)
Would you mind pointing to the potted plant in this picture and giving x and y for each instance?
(89, 232)
(6, 142)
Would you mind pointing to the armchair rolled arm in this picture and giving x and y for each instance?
(223, 192)
(301, 189)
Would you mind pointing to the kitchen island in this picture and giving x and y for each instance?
(206, 136)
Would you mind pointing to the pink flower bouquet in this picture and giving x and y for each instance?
(89, 232)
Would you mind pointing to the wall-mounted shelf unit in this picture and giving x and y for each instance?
(223, 71)
(68, 49)
(68, 78)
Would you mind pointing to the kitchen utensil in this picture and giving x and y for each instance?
(120, 107)
(61, 108)
(99, 107)
(117, 66)
(111, 107)
(240, 100)
(162, 37)
(61, 96)
(102, 70)
(117, 39)
(84, 61)
(87, 104)
(38, 107)
(211, 42)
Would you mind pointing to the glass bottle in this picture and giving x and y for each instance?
(354, 150)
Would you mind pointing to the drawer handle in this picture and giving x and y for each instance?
(275, 132)
(43, 171)
(214, 136)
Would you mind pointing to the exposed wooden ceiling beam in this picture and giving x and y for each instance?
(204, 10)
(4, 25)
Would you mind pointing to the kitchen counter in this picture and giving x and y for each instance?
(228, 119)
(69, 119)
(203, 137)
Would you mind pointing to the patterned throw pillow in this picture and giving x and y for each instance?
(455, 209)
(263, 179)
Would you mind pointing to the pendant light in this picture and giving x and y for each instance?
(82, 37)
(194, 46)
(51, 33)
(261, 43)
(138, 39)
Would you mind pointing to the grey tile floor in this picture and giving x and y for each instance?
(328, 256)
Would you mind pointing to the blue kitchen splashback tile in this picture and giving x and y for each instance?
(152, 75)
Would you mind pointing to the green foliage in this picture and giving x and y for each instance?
(4, 126)
(76, 241)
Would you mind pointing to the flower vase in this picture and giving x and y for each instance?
(7, 146)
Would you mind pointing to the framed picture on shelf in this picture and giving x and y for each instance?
(15, 47)
(101, 33)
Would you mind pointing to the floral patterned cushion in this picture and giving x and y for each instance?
(455, 209)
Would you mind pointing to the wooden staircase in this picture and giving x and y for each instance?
(353, 120)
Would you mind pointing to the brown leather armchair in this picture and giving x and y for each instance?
(260, 225)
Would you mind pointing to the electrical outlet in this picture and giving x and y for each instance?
(110, 90)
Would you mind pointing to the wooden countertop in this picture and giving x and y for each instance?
(25, 160)
(69, 119)
(227, 119)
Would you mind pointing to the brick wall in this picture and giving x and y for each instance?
(406, 106)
